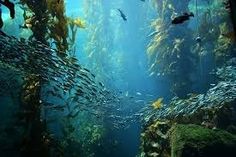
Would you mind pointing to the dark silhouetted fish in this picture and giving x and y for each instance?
(181, 19)
(122, 15)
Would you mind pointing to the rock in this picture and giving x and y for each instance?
(203, 125)
(155, 139)
(196, 141)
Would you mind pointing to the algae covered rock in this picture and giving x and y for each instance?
(196, 141)
(155, 140)
(203, 125)
(186, 140)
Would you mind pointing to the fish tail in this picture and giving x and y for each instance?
(191, 14)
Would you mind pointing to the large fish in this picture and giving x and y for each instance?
(181, 19)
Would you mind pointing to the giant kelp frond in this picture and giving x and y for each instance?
(58, 22)
(78, 22)
(224, 42)
(168, 51)
(48, 21)
(215, 28)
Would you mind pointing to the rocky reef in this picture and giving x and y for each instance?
(203, 125)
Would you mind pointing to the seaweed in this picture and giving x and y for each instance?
(193, 140)
(48, 22)
(34, 141)
(173, 52)
(169, 50)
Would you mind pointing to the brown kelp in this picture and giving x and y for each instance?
(38, 20)
(49, 24)
(216, 28)
(169, 50)
(99, 49)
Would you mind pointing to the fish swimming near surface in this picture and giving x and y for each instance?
(124, 17)
(181, 19)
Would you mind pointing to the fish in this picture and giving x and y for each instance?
(151, 74)
(127, 93)
(1, 32)
(65, 79)
(181, 19)
(198, 39)
(101, 84)
(93, 75)
(122, 15)
(153, 33)
(138, 101)
(87, 70)
(58, 108)
(138, 93)
(157, 104)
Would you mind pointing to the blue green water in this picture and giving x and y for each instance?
(119, 53)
